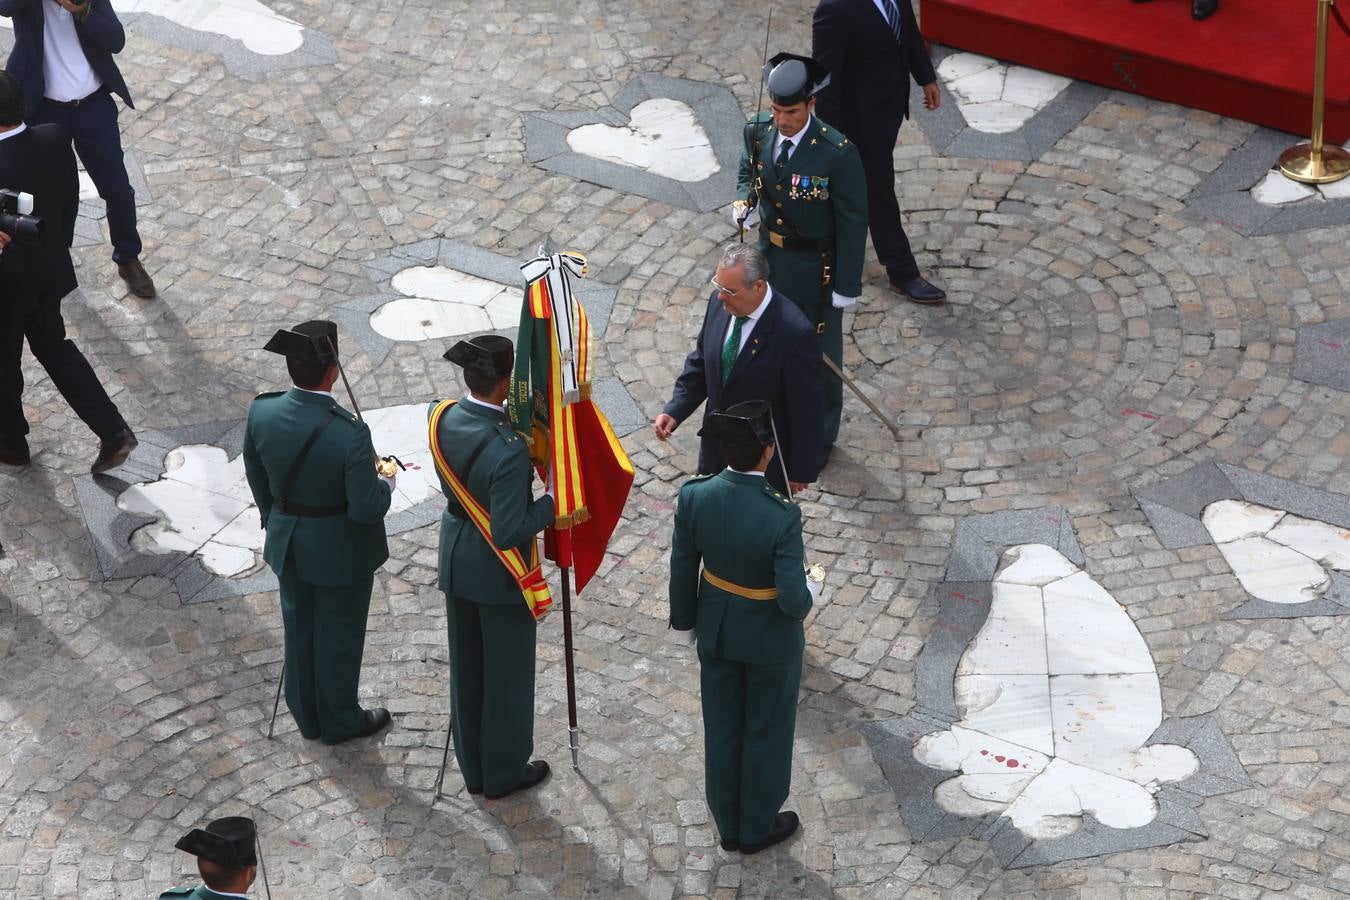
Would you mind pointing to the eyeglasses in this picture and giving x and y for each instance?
(726, 291)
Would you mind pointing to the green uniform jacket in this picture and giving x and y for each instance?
(747, 533)
(499, 480)
(340, 468)
(201, 893)
(806, 211)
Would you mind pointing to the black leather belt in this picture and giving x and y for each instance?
(74, 102)
(304, 511)
(797, 245)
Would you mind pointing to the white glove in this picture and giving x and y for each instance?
(814, 587)
(389, 481)
(751, 221)
(840, 302)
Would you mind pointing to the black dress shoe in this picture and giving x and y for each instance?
(784, 826)
(113, 452)
(1203, 9)
(534, 773)
(373, 721)
(731, 845)
(138, 280)
(919, 290)
(15, 454)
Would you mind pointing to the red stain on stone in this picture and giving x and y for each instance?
(984, 752)
(999, 758)
(1127, 411)
(1012, 764)
(1332, 344)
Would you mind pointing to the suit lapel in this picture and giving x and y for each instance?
(759, 339)
(716, 338)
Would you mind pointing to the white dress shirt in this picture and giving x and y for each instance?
(749, 326)
(498, 408)
(66, 74)
(796, 139)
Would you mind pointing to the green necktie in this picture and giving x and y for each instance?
(732, 347)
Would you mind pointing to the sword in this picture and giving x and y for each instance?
(383, 465)
(778, 452)
(834, 367)
(754, 126)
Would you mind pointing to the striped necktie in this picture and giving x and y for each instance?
(732, 347)
(892, 17)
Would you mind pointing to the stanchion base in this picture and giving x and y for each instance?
(1298, 164)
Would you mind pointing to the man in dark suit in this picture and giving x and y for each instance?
(63, 58)
(33, 280)
(754, 345)
(871, 49)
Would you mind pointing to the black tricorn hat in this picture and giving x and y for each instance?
(489, 355)
(313, 341)
(748, 422)
(230, 842)
(793, 79)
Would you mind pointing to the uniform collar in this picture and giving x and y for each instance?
(730, 474)
(480, 408)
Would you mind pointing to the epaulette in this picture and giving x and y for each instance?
(506, 431)
(177, 892)
(267, 394)
(773, 492)
(831, 134)
(343, 415)
(699, 478)
(763, 117)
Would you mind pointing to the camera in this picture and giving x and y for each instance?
(16, 216)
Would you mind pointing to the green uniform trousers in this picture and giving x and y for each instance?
(491, 691)
(325, 637)
(749, 715)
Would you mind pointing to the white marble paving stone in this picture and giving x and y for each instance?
(959, 65)
(504, 309)
(976, 753)
(1053, 804)
(1336, 190)
(1088, 632)
(188, 516)
(421, 319)
(445, 283)
(226, 560)
(1228, 520)
(1325, 543)
(1012, 639)
(1273, 572)
(979, 795)
(1014, 708)
(1277, 190)
(398, 429)
(983, 86)
(1033, 564)
(417, 483)
(1100, 721)
(208, 469)
(251, 23)
(1032, 88)
(996, 116)
(87, 189)
(663, 137)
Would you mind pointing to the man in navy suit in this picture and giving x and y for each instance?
(33, 279)
(871, 49)
(754, 345)
(63, 58)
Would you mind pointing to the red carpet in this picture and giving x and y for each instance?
(1252, 60)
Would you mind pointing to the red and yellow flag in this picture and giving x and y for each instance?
(569, 436)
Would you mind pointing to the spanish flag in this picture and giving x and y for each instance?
(569, 437)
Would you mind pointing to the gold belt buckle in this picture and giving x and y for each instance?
(820, 329)
(776, 239)
(825, 279)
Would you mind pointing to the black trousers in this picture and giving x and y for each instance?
(41, 323)
(876, 149)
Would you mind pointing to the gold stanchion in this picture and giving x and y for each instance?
(1313, 163)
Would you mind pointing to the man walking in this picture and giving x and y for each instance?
(34, 278)
(754, 345)
(487, 545)
(311, 467)
(746, 607)
(63, 57)
(871, 49)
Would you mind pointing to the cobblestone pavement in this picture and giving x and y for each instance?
(1100, 339)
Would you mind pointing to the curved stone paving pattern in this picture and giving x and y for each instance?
(1164, 337)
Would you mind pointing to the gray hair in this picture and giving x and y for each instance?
(747, 255)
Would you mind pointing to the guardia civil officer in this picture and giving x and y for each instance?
(226, 858)
(747, 607)
(491, 628)
(311, 467)
(805, 182)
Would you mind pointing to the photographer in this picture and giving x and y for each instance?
(34, 277)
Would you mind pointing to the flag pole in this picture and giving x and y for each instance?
(573, 735)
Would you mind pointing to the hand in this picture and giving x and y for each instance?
(664, 426)
(838, 301)
(743, 215)
(932, 99)
(4, 241)
(389, 480)
(798, 486)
